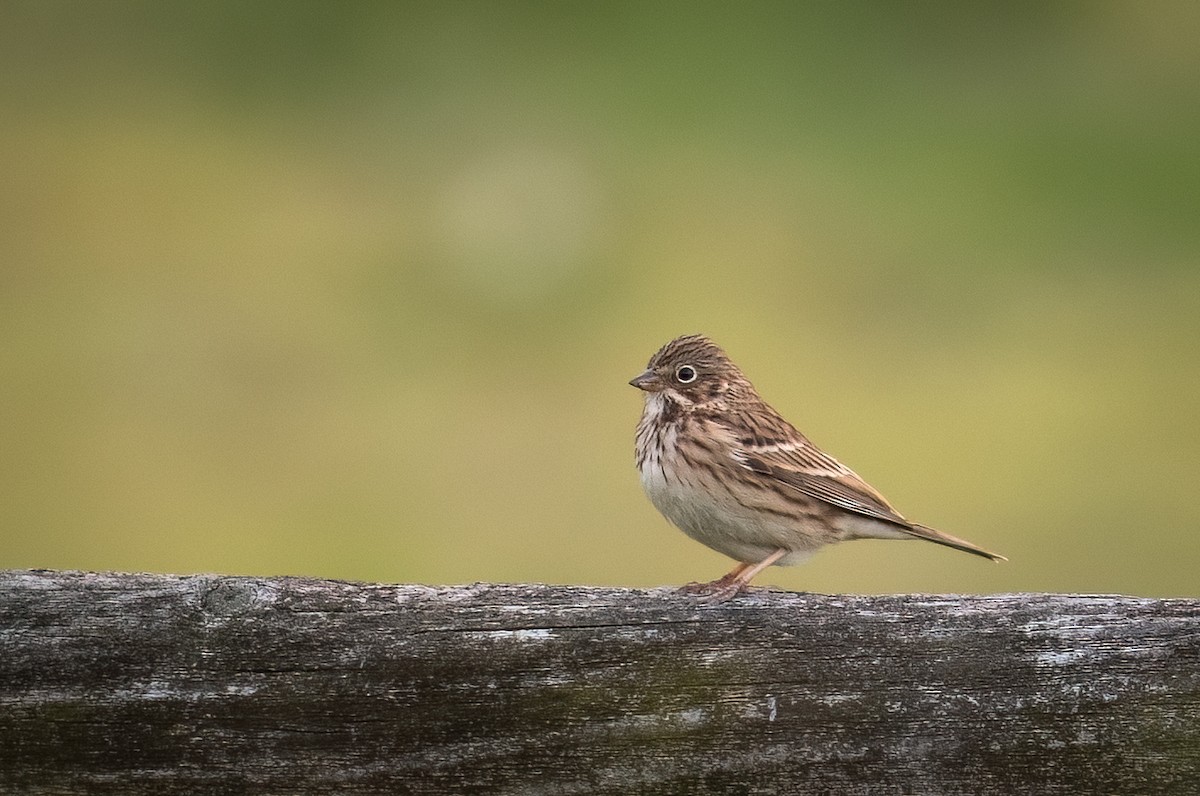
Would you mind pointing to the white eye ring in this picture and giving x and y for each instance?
(685, 374)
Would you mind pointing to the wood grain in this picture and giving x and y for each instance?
(150, 684)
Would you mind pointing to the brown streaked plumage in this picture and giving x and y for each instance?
(731, 473)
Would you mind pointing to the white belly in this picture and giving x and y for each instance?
(713, 518)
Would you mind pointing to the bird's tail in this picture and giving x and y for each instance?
(933, 535)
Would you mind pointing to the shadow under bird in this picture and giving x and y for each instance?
(731, 473)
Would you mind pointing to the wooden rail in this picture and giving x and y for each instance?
(150, 684)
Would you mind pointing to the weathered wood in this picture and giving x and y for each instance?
(147, 684)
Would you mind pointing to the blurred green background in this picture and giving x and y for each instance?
(353, 289)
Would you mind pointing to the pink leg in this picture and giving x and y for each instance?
(748, 574)
(735, 583)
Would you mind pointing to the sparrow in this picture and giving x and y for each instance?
(722, 465)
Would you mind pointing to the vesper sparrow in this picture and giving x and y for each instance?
(726, 468)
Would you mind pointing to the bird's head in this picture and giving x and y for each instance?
(693, 371)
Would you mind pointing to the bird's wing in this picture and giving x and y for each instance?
(804, 467)
(787, 457)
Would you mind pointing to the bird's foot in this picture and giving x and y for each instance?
(717, 591)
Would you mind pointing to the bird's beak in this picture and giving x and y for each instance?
(648, 381)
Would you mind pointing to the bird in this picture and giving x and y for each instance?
(730, 472)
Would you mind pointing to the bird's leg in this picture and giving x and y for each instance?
(738, 581)
(748, 574)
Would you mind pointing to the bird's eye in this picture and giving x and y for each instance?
(686, 374)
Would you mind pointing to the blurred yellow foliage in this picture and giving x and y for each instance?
(353, 290)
